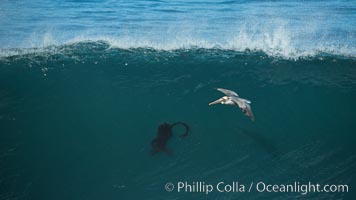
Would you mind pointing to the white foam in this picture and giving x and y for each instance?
(273, 40)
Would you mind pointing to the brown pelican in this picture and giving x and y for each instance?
(233, 99)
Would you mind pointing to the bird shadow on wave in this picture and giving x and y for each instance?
(263, 142)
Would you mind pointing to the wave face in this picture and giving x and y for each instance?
(77, 120)
(285, 28)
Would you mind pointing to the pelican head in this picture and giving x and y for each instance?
(222, 100)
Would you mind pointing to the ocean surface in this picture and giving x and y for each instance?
(84, 86)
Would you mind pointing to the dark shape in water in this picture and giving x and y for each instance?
(261, 140)
(163, 135)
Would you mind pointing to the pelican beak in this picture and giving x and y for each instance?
(221, 100)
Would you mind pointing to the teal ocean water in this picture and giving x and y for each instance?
(77, 123)
(84, 86)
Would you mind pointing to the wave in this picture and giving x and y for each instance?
(269, 48)
(320, 69)
(276, 41)
(285, 30)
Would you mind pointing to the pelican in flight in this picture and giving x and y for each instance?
(233, 99)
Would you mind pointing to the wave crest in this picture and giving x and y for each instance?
(278, 43)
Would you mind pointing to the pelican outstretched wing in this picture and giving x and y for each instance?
(248, 111)
(227, 92)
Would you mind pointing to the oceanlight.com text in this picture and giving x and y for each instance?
(238, 187)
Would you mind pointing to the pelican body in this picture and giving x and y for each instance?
(233, 99)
